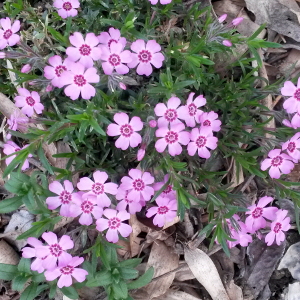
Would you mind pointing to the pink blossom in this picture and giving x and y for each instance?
(115, 58)
(55, 250)
(201, 139)
(146, 55)
(168, 191)
(49, 88)
(173, 138)
(258, 213)
(222, 18)
(29, 102)
(165, 212)
(112, 36)
(163, 2)
(133, 206)
(140, 154)
(279, 162)
(237, 21)
(78, 80)
(16, 121)
(227, 43)
(138, 185)
(98, 188)
(114, 224)
(122, 86)
(7, 33)
(9, 148)
(2, 55)
(126, 130)
(292, 146)
(152, 123)
(210, 120)
(26, 68)
(66, 270)
(67, 7)
(287, 123)
(296, 120)
(86, 51)
(292, 104)
(56, 69)
(190, 112)
(64, 199)
(280, 224)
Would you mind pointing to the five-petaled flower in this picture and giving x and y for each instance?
(16, 121)
(8, 34)
(292, 104)
(112, 36)
(292, 146)
(67, 8)
(210, 120)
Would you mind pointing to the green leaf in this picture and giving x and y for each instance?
(24, 265)
(52, 290)
(20, 158)
(8, 272)
(128, 273)
(70, 292)
(44, 160)
(38, 277)
(120, 290)
(142, 281)
(102, 278)
(130, 263)
(182, 84)
(63, 39)
(10, 204)
(19, 282)
(257, 32)
(30, 292)
(97, 127)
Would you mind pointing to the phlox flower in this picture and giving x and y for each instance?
(292, 146)
(222, 18)
(16, 121)
(64, 199)
(165, 212)
(26, 68)
(173, 138)
(294, 123)
(163, 2)
(140, 154)
(98, 188)
(237, 21)
(9, 148)
(168, 191)
(78, 80)
(133, 206)
(8, 32)
(292, 104)
(114, 224)
(145, 55)
(29, 102)
(112, 36)
(114, 58)
(258, 213)
(55, 251)
(126, 130)
(138, 185)
(280, 224)
(278, 163)
(201, 139)
(67, 8)
(227, 43)
(152, 123)
(66, 270)
(122, 86)
(210, 120)
(170, 113)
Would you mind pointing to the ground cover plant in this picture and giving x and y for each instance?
(115, 117)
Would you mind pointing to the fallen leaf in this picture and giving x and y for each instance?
(234, 292)
(176, 295)
(293, 291)
(7, 254)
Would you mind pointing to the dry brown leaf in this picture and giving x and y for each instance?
(7, 254)
(176, 295)
(234, 292)
(64, 221)
(184, 273)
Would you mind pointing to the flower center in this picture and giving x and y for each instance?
(59, 70)
(79, 80)
(7, 34)
(291, 146)
(138, 184)
(192, 109)
(65, 197)
(126, 130)
(171, 137)
(98, 188)
(167, 190)
(201, 141)
(111, 41)
(126, 199)
(87, 207)
(85, 50)
(55, 250)
(162, 210)
(67, 270)
(206, 123)
(277, 161)
(277, 227)
(30, 101)
(17, 149)
(144, 56)
(114, 60)
(258, 211)
(297, 94)
(171, 115)
(114, 223)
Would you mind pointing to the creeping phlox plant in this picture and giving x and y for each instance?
(147, 126)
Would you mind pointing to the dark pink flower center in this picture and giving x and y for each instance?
(171, 137)
(43, 258)
(201, 141)
(291, 146)
(277, 227)
(192, 109)
(30, 101)
(17, 149)
(171, 115)
(7, 34)
(87, 207)
(138, 185)
(98, 188)
(144, 56)
(168, 190)
(85, 50)
(114, 59)
(79, 80)
(277, 161)
(162, 210)
(67, 6)
(67, 270)
(111, 41)
(206, 123)
(126, 130)
(297, 94)
(65, 197)
(114, 223)
(59, 70)
(55, 250)
(126, 198)
(258, 211)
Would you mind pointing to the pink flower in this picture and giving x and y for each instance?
(64, 199)
(163, 2)
(258, 213)
(165, 212)
(190, 112)
(98, 188)
(49, 88)
(16, 121)
(29, 102)
(114, 224)
(56, 69)
(227, 43)
(140, 154)
(292, 104)
(222, 18)
(201, 139)
(66, 270)
(78, 80)
(112, 36)
(55, 250)
(146, 55)
(133, 206)
(296, 120)
(2, 55)
(122, 86)
(138, 185)
(173, 138)
(152, 123)
(280, 224)
(168, 191)
(9, 148)
(292, 146)
(126, 130)
(237, 21)
(7, 34)
(210, 120)
(278, 162)
(85, 207)
(114, 58)
(28, 252)
(85, 50)
(26, 68)
(67, 7)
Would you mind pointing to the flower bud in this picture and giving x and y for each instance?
(237, 21)
(26, 68)
(222, 18)
(2, 54)
(227, 43)
(152, 123)
(122, 86)
(49, 88)
(140, 154)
